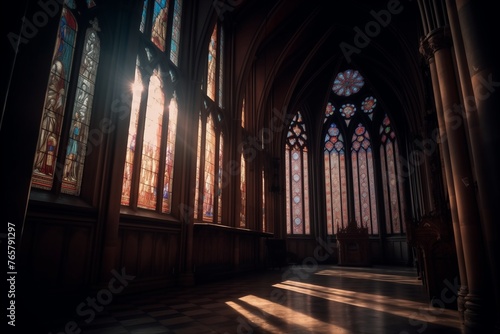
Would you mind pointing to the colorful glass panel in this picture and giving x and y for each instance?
(220, 173)
(82, 109)
(297, 178)
(198, 170)
(159, 28)
(264, 221)
(243, 191)
(212, 64)
(368, 106)
(243, 113)
(143, 17)
(137, 88)
(151, 143)
(335, 184)
(55, 101)
(393, 191)
(330, 109)
(176, 32)
(221, 69)
(363, 180)
(168, 179)
(347, 83)
(209, 177)
(348, 110)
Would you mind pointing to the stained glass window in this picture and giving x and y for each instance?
(209, 184)
(176, 32)
(368, 105)
(350, 187)
(347, 83)
(363, 180)
(148, 178)
(144, 16)
(169, 156)
(55, 102)
(197, 202)
(212, 64)
(136, 90)
(264, 220)
(243, 114)
(335, 180)
(161, 24)
(148, 175)
(151, 143)
(243, 191)
(347, 111)
(209, 169)
(82, 109)
(221, 67)
(392, 189)
(297, 178)
(330, 109)
(159, 27)
(220, 174)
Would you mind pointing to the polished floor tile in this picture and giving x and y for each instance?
(328, 299)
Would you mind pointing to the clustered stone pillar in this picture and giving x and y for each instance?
(477, 28)
(460, 174)
(428, 53)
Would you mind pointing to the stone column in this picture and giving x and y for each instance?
(478, 279)
(477, 27)
(447, 170)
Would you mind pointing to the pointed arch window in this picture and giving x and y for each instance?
(215, 66)
(297, 178)
(335, 179)
(365, 207)
(243, 185)
(150, 154)
(161, 23)
(350, 165)
(209, 171)
(148, 170)
(391, 172)
(63, 137)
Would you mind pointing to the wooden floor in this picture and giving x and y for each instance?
(298, 299)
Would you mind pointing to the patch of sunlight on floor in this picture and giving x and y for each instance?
(399, 307)
(372, 276)
(291, 317)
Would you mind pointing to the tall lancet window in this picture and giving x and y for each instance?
(349, 159)
(215, 66)
(391, 171)
(297, 178)
(243, 185)
(335, 179)
(150, 154)
(63, 137)
(365, 205)
(209, 168)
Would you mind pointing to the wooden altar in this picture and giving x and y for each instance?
(353, 245)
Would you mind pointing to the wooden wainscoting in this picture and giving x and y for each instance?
(150, 253)
(221, 251)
